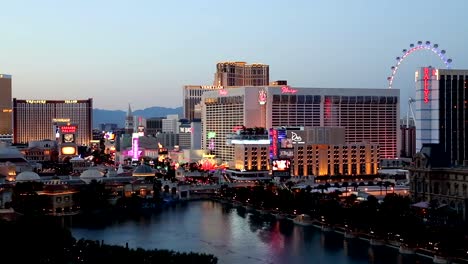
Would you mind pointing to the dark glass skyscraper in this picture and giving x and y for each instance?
(442, 111)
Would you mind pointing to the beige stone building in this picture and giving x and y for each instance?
(439, 186)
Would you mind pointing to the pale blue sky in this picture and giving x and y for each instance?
(143, 52)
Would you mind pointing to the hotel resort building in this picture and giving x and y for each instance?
(370, 117)
(300, 151)
(35, 120)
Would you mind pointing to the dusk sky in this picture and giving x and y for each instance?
(143, 52)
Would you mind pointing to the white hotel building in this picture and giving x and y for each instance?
(368, 115)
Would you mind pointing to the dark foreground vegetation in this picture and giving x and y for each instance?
(40, 240)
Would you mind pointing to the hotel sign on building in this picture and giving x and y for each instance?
(297, 136)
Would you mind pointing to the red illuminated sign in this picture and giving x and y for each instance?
(287, 89)
(275, 142)
(327, 108)
(426, 85)
(68, 129)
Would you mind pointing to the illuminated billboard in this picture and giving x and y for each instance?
(109, 136)
(68, 150)
(286, 143)
(211, 134)
(141, 131)
(281, 165)
(286, 153)
(281, 168)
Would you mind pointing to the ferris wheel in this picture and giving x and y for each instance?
(418, 47)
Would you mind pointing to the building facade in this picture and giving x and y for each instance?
(309, 151)
(369, 116)
(41, 151)
(170, 124)
(185, 134)
(154, 125)
(240, 73)
(439, 186)
(441, 103)
(35, 120)
(5, 105)
(192, 97)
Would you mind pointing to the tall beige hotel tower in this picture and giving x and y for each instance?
(5, 105)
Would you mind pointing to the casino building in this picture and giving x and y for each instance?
(300, 151)
(35, 120)
(369, 116)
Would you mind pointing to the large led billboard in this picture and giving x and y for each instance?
(281, 167)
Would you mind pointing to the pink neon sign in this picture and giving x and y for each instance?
(135, 152)
(287, 89)
(222, 92)
(262, 97)
(426, 85)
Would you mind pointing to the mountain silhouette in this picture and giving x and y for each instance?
(101, 116)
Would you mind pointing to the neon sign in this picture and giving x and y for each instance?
(61, 120)
(287, 89)
(295, 137)
(223, 92)
(426, 85)
(262, 96)
(327, 107)
(275, 142)
(211, 87)
(68, 129)
(36, 101)
(211, 134)
(135, 152)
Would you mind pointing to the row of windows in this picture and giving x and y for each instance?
(315, 99)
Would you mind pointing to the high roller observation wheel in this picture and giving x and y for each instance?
(413, 48)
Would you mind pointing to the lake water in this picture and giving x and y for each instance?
(235, 236)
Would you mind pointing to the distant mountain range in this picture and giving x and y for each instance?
(101, 116)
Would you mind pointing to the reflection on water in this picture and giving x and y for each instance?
(233, 234)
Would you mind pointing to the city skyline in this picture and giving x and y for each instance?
(119, 53)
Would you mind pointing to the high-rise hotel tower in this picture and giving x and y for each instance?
(5, 105)
(240, 73)
(368, 115)
(38, 119)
